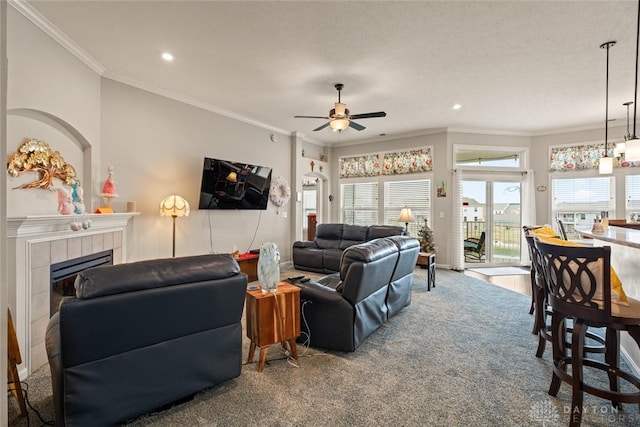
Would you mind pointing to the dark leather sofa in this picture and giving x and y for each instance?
(322, 255)
(142, 335)
(340, 310)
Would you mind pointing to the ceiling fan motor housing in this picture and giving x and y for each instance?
(340, 111)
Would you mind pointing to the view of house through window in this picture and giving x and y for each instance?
(491, 220)
(633, 198)
(577, 201)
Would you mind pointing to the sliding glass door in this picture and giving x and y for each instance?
(491, 220)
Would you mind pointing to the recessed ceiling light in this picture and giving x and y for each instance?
(167, 56)
(456, 106)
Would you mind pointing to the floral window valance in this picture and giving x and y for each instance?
(581, 157)
(368, 165)
(393, 163)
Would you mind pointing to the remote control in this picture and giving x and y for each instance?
(306, 279)
(295, 278)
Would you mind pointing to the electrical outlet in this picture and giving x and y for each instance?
(284, 214)
(441, 214)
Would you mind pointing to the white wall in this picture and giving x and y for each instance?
(54, 97)
(3, 208)
(157, 146)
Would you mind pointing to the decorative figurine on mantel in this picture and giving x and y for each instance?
(108, 192)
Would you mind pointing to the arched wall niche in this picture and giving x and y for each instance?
(78, 151)
(322, 197)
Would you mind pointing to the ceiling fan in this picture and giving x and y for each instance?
(339, 117)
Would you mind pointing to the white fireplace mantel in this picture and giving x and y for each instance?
(43, 225)
(34, 244)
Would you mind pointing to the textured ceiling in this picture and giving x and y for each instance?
(524, 67)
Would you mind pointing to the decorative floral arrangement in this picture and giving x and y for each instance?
(280, 192)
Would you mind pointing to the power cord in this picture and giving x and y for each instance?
(210, 234)
(255, 232)
(25, 388)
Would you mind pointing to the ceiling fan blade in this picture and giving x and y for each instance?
(311, 117)
(355, 125)
(368, 115)
(322, 127)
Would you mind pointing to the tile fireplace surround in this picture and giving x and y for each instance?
(36, 242)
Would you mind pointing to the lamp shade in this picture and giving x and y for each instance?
(232, 177)
(605, 165)
(405, 215)
(632, 150)
(339, 124)
(175, 206)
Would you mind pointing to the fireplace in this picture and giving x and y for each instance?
(63, 275)
(36, 243)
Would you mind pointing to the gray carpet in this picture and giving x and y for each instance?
(462, 354)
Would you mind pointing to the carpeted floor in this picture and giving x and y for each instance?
(460, 355)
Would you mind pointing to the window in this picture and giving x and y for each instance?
(360, 203)
(415, 194)
(633, 197)
(577, 201)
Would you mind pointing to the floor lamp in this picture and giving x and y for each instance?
(174, 206)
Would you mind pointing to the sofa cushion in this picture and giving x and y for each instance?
(329, 235)
(377, 231)
(352, 235)
(116, 279)
(331, 259)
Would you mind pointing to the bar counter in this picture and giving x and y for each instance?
(625, 259)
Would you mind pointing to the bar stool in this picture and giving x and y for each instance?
(579, 284)
(542, 309)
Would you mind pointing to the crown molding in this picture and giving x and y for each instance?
(56, 34)
(193, 102)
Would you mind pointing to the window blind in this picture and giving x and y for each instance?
(415, 194)
(577, 201)
(633, 197)
(359, 203)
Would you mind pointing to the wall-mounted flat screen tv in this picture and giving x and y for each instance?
(234, 185)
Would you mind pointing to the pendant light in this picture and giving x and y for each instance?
(632, 151)
(606, 163)
(622, 146)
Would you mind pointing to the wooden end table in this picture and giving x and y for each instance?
(249, 265)
(273, 318)
(428, 260)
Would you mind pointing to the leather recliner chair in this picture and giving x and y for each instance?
(142, 335)
(340, 310)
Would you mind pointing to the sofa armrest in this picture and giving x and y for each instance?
(315, 292)
(305, 244)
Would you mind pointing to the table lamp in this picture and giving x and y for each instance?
(174, 206)
(406, 216)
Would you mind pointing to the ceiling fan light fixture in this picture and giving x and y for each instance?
(341, 109)
(338, 125)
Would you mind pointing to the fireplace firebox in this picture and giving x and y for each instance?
(63, 275)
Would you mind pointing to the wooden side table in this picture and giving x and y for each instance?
(272, 318)
(249, 265)
(428, 260)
